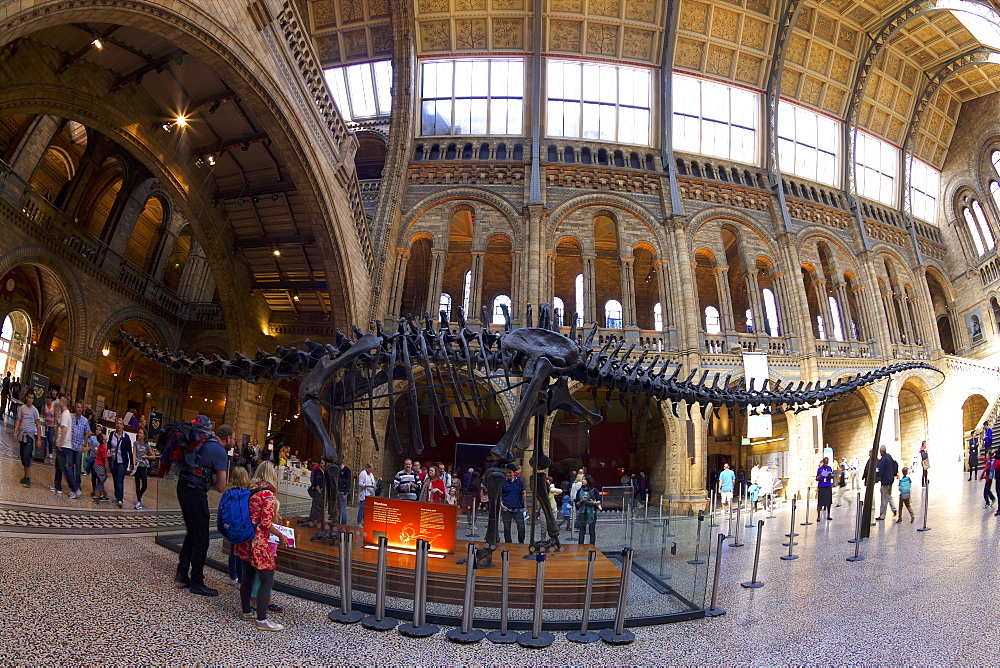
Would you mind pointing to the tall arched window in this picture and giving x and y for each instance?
(977, 225)
(712, 323)
(820, 327)
(466, 292)
(748, 317)
(771, 323)
(578, 289)
(984, 225)
(995, 191)
(498, 303)
(613, 314)
(658, 317)
(445, 305)
(558, 312)
(838, 330)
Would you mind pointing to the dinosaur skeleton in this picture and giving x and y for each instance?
(451, 367)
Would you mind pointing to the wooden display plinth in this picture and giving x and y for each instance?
(565, 573)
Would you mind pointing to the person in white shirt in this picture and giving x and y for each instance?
(64, 461)
(366, 487)
(27, 429)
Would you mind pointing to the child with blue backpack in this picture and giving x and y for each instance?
(238, 477)
(567, 512)
(904, 495)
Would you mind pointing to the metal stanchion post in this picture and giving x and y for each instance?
(346, 615)
(729, 532)
(736, 537)
(807, 523)
(791, 541)
(754, 582)
(749, 524)
(927, 488)
(619, 635)
(378, 621)
(583, 635)
(663, 550)
(857, 535)
(419, 628)
(536, 638)
(769, 502)
(503, 636)
(466, 634)
(713, 610)
(712, 524)
(697, 543)
(472, 522)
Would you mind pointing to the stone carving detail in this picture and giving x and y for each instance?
(601, 179)
(825, 27)
(470, 5)
(812, 90)
(508, 5)
(639, 10)
(433, 6)
(720, 193)
(378, 8)
(471, 33)
(818, 56)
(323, 14)
(808, 212)
(892, 235)
(748, 68)
(637, 44)
(382, 39)
(508, 34)
(355, 43)
(931, 249)
(754, 33)
(566, 35)
(694, 17)
(328, 48)
(841, 68)
(790, 82)
(445, 173)
(834, 100)
(602, 39)
(435, 35)
(847, 38)
(762, 6)
(604, 7)
(688, 53)
(724, 24)
(351, 10)
(796, 49)
(720, 60)
(573, 6)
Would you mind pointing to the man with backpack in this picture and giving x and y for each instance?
(885, 473)
(202, 468)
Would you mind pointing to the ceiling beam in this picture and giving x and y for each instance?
(72, 60)
(270, 242)
(228, 144)
(155, 65)
(253, 191)
(291, 285)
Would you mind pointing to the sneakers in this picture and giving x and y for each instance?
(202, 590)
(897, 522)
(74, 495)
(880, 518)
(268, 625)
(234, 582)
(119, 504)
(249, 616)
(59, 491)
(25, 482)
(181, 582)
(139, 506)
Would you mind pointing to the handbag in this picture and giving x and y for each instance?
(90, 464)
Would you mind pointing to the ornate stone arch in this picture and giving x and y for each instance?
(135, 313)
(611, 201)
(733, 214)
(502, 204)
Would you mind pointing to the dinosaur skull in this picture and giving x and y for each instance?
(536, 343)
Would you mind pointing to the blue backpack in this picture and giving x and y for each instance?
(904, 486)
(233, 519)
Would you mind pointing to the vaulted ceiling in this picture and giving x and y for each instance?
(727, 40)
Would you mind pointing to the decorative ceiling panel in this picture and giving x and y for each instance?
(350, 31)
(726, 40)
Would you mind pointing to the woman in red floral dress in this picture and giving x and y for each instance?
(257, 557)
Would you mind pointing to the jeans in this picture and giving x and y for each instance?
(361, 512)
(988, 492)
(50, 441)
(583, 525)
(141, 482)
(64, 467)
(263, 595)
(887, 500)
(118, 474)
(517, 515)
(343, 507)
(194, 509)
(235, 565)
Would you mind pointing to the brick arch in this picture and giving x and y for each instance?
(608, 201)
(133, 313)
(412, 217)
(736, 217)
(72, 293)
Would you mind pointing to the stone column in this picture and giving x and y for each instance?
(725, 300)
(72, 193)
(959, 332)
(438, 256)
(666, 303)
(476, 286)
(628, 293)
(823, 301)
(197, 283)
(590, 293)
(518, 288)
(756, 301)
(845, 310)
(904, 313)
(399, 280)
(32, 147)
(890, 318)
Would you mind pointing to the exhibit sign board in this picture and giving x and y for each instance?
(403, 522)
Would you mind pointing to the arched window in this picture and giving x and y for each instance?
(995, 190)
(748, 316)
(498, 302)
(977, 225)
(658, 317)
(445, 305)
(558, 312)
(712, 323)
(984, 225)
(613, 314)
(973, 228)
(820, 327)
(578, 297)
(466, 292)
(838, 330)
(771, 323)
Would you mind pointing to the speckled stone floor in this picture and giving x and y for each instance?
(917, 598)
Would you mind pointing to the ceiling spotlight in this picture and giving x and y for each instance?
(245, 147)
(97, 43)
(199, 162)
(255, 199)
(240, 201)
(274, 197)
(167, 127)
(295, 296)
(211, 160)
(215, 107)
(105, 351)
(276, 252)
(181, 121)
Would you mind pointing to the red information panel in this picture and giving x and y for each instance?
(403, 522)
